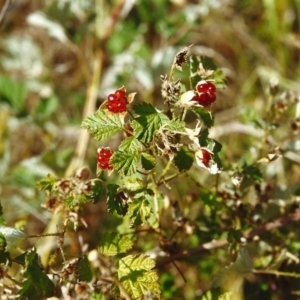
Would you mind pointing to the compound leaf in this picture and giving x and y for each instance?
(113, 243)
(125, 162)
(138, 211)
(149, 121)
(131, 145)
(137, 277)
(102, 124)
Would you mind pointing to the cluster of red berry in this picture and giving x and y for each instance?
(103, 158)
(205, 93)
(117, 102)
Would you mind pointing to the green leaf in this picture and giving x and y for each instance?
(138, 211)
(1, 215)
(136, 275)
(176, 125)
(98, 191)
(206, 116)
(112, 243)
(102, 124)
(133, 184)
(150, 121)
(144, 109)
(46, 184)
(184, 159)
(203, 138)
(13, 92)
(37, 285)
(46, 107)
(131, 145)
(84, 270)
(5, 258)
(125, 162)
(252, 172)
(3, 243)
(115, 202)
(148, 161)
(211, 199)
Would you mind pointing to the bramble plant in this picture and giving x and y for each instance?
(159, 149)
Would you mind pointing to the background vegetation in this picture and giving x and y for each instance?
(60, 59)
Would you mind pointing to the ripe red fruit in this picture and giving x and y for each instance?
(117, 102)
(206, 157)
(206, 87)
(103, 158)
(205, 93)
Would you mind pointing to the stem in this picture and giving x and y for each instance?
(166, 169)
(183, 114)
(155, 201)
(277, 273)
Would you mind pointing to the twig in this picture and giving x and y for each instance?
(276, 273)
(214, 244)
(180, 272)
(4, 10)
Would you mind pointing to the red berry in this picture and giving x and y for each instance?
(111, 97)
(103, 158)
(206, 156)
(210, 88)
(117, 102)
(120, 94)
(206, 87)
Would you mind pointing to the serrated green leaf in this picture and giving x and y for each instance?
(148, 161)
(125, 162)
(133, 184)
(184, 159)
(150, 121)
(131, 145)
(115, 202)
(138, 211)
(98, 191)
(37, 285)
(144, 109)
(46, 184)
(102, 124)
(84, 271)
(175, 125)
(112, 243)
(137, 277)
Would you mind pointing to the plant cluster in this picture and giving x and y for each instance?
(159, 148)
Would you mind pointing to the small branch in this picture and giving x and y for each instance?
(180, 272)
(214, 244)
(276, 273)
(4, 10)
